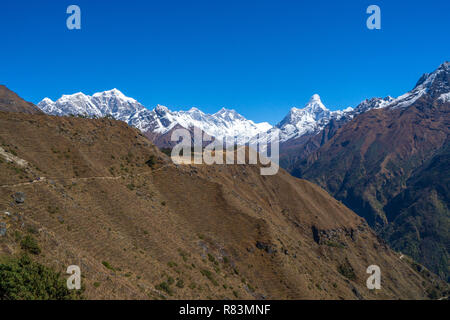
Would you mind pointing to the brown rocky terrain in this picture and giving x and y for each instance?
(98, 194)
(378, 156)
(296, 150)
(11, 102)
(390, 166)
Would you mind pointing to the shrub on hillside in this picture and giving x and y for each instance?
(347, 271)
(166, 151)
(23, 279)
(151, 161)
(30, 245)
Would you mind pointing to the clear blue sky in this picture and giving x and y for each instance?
(259, 57)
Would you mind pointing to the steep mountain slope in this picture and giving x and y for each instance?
(11, 102)
(158, 122)
(419, 217)
(297, 149)
(379, 163)
(97, 194)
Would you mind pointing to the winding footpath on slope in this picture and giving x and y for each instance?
(43, 179)
(23, 163)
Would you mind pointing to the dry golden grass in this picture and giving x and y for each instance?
(137, 232)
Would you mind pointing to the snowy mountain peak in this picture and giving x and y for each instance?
(47, 100)
(433, 84)
(315, 98)
(445, 66)
(161, 109)
(223, 110)
(309, 119)
(78, 95)
(373, 103)
(195, 110)
(112, 102)
(113, 94)
(223, 124)
(226, 111)
(228, 115)
(315, 104)
(313, 111)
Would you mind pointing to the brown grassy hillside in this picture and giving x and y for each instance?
(374, 160)
(11, 102)
(99, 195)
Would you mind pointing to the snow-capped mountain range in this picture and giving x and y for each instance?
(225, 123)
(101, 104)
(222, 124)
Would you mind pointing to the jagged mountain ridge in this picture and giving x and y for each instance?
(298, 148)
(299, 123)
(385, 165)
(222, 124)
(306, 128)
